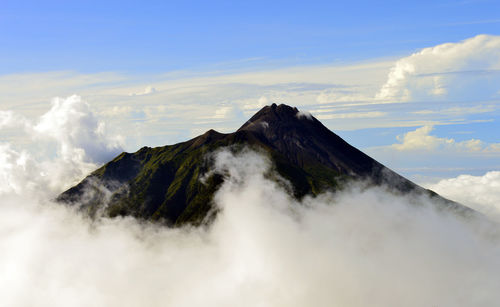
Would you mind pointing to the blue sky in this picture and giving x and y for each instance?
(415, 85)
(158, 36)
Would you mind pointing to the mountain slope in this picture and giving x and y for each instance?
(163, 183)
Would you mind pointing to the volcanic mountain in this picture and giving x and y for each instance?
(164, 183)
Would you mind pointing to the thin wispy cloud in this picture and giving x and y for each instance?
(461, 89)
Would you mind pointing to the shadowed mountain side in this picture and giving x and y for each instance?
(163, 183)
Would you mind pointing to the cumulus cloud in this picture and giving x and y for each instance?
(421, 140)
(479, 192)
(15, 174)
(69, 141)
(9, 119)
(466, 70)
(357, 248)
(79, 134)
(23, 174)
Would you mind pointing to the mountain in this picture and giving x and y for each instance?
(163, 183)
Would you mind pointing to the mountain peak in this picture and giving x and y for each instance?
(165, 183)
(274, 116)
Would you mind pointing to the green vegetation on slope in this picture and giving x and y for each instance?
(163, 184)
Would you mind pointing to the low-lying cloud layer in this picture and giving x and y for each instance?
(356, 248)
(359, 247)
(479, 192)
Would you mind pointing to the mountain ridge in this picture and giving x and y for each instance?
(163, 183)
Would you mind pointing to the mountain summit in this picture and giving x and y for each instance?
(304, 140)
(163, 183)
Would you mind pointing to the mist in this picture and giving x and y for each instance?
(357, 247)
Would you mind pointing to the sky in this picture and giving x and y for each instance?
(414, 85)
(159, 36)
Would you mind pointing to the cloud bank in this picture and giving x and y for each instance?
(357, 248)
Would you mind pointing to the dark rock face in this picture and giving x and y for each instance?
(303, 138)
(163, 183)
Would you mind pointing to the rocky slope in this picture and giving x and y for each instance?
(163, 183)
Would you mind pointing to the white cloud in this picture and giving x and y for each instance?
(250, 104)
(15, 174)
(342, 95)
(304, 114)
(371, 114)
(262, 102)
(67, 142)
(459, 111)
(363, 247)
(421, 140)
(79, 134)
(228, 112)
(479, 192)
(22, 173)
(148, 90)
(28, 92)
(10, 119)
(117, 111)
(465, 70)
(185, 100)
(188, 96)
